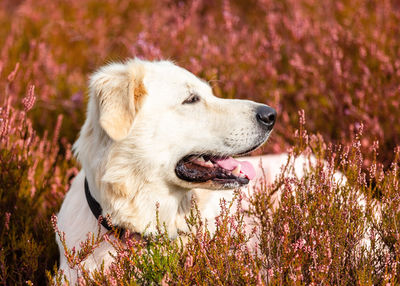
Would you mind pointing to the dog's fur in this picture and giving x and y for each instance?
(136, 131)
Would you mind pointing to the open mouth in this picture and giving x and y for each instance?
(224, 171)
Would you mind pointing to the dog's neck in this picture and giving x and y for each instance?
(138, 212)
(122, 189)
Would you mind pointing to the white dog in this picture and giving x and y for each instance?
(154, 133)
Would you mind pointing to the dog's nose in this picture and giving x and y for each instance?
(266, 115)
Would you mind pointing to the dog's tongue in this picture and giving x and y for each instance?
(230, 164)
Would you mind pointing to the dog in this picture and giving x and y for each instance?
(155, 135)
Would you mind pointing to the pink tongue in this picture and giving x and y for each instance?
(246, 167)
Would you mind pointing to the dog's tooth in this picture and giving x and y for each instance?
(236, 171)
(208, 164)
(200, 159)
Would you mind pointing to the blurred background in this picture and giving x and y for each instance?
(337, 60)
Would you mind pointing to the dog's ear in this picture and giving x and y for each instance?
(118, 89)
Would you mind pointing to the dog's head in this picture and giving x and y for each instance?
(159, 123)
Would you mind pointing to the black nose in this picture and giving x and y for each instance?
(266, 115)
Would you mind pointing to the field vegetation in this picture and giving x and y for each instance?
(330, 68)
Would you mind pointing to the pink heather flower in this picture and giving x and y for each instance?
(189, 261)
(165, 280)
(12, 75)
(302, 117)
(7, 220)
(270, 272)
(81, 281)
(57, 130)
(113, 281)
(30, 98)
(286, 228)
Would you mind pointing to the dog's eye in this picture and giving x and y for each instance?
(193, 98)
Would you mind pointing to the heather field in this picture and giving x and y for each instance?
(330, 68)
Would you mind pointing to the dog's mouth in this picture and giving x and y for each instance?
(225, 172)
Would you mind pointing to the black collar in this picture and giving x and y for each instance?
(97, 212)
